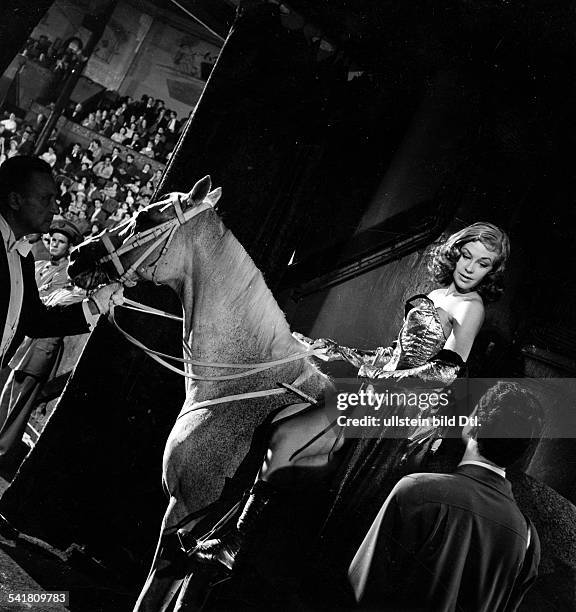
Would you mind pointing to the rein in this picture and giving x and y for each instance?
(249, 368)
(163, 234)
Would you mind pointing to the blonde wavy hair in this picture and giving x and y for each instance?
(444, 256)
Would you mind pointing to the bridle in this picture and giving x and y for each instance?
(163, 233)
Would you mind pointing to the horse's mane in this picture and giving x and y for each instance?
(248, 289)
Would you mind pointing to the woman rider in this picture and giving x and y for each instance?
(433, 345)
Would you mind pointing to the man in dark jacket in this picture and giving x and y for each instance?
(27, 207)
(458, 541)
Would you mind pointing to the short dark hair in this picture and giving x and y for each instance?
(510, 423)
(16, 171)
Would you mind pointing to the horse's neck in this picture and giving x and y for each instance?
(230, 314)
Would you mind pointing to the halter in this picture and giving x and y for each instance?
(162, 233)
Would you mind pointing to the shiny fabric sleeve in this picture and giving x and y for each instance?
(443, 368)
(378, 357)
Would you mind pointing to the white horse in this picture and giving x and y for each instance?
(230, 317)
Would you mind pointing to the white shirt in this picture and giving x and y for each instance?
(14, 250)
(498, 470)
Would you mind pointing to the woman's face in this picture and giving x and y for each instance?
(474, 263)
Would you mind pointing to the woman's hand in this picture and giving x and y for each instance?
(329, 346)
(373, 372)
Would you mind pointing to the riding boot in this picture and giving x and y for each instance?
(224, 551)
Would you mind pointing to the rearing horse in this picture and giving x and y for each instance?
(230, 317)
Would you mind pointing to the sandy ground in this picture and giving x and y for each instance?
(30, 566)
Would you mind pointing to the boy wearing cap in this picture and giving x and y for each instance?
(37, 358)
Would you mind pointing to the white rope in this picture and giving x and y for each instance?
(251, 395)
(208, 28)
(249, 368)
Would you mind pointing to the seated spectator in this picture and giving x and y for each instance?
(83, 224)
(150, 111)
(86, 159)
(95, 148)
(119, 136)
(10, 124)
(131, 130)
(147, 190)
(96, 229)
(80, 185)
(142, 127)
(103, 171)
(134, 186)
(107, 128)
(148, 150)
(67, 166)
(136, 143)
(159, 147)
(49, 156)
(75, 152)
(90, 122)
(116, 158)
(64, 198)
(130, 199)
(112, 188)
(146, 173)
(84, 171)
(98, 215)
(12, 148)
(128, 169)
(26, 144)
(92, 190)
(98, 118)
(172, 126)
(120, 113)
(81, 200)
(157, 178)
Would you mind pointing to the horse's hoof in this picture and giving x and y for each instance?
(218, 552)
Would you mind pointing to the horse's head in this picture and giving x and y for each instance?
(135, 249)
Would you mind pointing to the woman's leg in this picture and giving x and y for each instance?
(299, 447)
(305, 440)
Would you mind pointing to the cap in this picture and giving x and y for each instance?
(63, 226)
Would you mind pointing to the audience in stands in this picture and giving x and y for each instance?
(98, 187)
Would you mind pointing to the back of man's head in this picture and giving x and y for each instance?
(510, 423)
(16, 173)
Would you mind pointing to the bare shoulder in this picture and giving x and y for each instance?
(436, 293)
(469, 308)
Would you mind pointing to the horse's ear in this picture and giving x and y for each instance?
(213, 197)
(200, 190)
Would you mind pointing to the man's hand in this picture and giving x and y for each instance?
(108, 296)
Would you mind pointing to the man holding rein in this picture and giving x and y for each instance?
(27, 206)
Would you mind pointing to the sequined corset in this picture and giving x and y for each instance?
(422, 335)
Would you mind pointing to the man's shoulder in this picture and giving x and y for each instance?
(422, 481)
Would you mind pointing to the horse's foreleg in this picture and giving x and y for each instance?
(162, 583)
